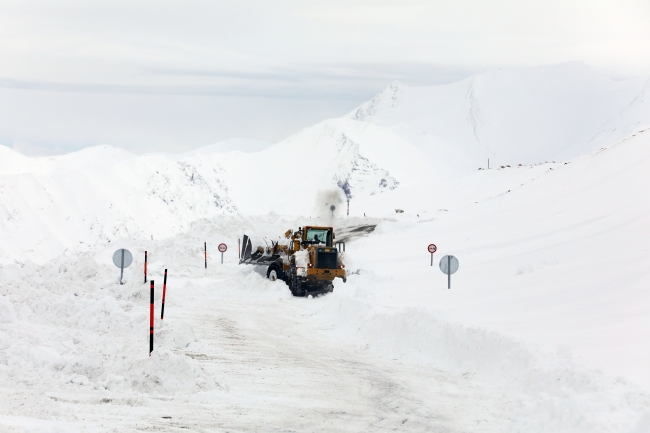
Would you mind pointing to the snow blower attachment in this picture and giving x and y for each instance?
(306, 261)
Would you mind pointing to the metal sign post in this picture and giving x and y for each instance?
(449, 265)
(122, 259)
(222, 249)
(432, 248)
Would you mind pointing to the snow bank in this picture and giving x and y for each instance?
(551, 391)
(76, 327)
(7, 312)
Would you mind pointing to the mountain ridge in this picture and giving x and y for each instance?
(403, 140)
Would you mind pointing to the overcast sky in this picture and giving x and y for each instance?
(176, 75)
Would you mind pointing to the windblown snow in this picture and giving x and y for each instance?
(546, 327)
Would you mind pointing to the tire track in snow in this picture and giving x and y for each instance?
(284, 374)
(276, 370)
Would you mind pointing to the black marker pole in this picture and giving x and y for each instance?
(162, 309)
(151, 321)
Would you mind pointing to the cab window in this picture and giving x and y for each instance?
(321, 236)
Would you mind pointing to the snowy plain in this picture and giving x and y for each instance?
(546, 327)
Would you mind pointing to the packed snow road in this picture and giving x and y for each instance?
(282, 373)
(274, 368)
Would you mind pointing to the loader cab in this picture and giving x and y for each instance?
(318, 236)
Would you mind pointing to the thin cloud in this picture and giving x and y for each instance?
(340, 81)
(181, 90)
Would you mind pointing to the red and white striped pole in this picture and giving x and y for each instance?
(162, 310)
(151, 321)
(145, 266)
(205, 254)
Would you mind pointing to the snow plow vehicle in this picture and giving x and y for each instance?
(307, 261)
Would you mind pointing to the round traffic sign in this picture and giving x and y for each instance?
(223, 248)
(432, 248)
(449, 264)
(117, 258)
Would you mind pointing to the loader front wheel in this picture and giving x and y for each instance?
(273, 273)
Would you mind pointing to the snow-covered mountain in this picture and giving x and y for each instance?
(99, 194)
(233, 145)
(405, 147)
(511, 116)
(632, 118)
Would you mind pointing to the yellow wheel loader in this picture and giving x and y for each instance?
(306, 259)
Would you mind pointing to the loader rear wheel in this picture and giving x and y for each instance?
(296, 287)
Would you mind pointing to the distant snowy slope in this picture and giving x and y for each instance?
(355, 158)
(91, 197)
(232, 145)
(632, 118)
(511, 116)
(88, 198)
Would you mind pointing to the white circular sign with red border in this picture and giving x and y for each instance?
(432, 248)
(222, 248)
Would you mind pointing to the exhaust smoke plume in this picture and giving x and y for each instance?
(330, 204)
